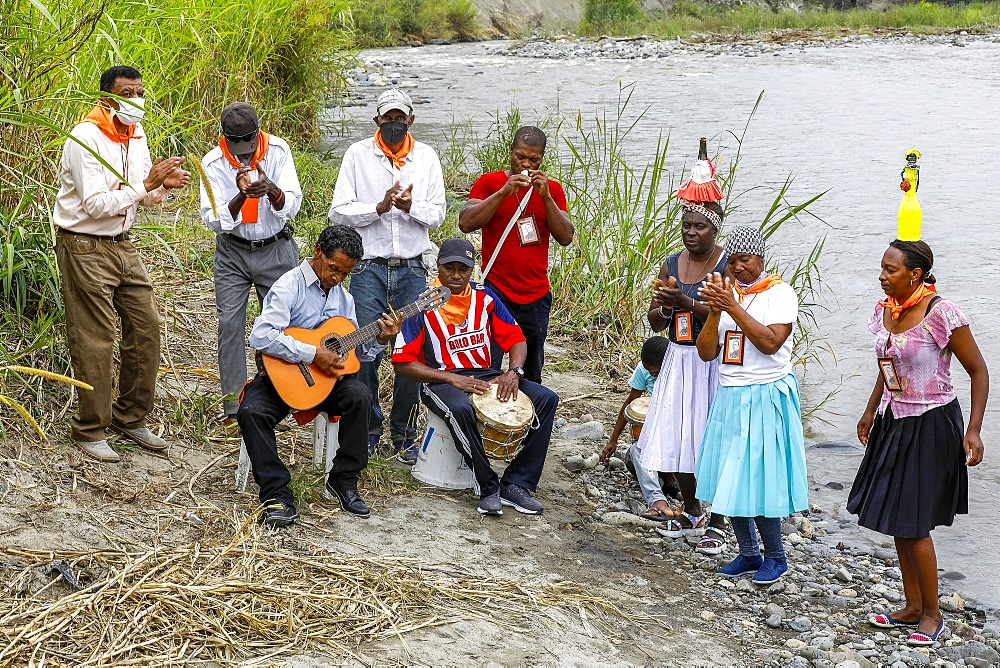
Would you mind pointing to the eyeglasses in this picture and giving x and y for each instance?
(242, 138)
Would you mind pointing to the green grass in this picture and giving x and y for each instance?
(688, 17)
(387, 22)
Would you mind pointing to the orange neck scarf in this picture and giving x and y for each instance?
(758, 287)
(398, 158)
(249, 211)
(897, 308)
(101, 117)
(456, 310)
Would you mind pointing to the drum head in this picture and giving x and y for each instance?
(636, 411)
(512, 414)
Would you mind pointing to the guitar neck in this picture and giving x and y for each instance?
(369, 331)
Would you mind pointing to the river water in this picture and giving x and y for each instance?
(839, 117)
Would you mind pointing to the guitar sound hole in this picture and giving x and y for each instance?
(333, 343)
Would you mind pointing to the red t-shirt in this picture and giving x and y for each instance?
(521, 272)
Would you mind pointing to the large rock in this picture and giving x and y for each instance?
(585, 430)
(974, 649)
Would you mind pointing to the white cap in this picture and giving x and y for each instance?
(394, 99)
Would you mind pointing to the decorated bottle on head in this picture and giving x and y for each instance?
(702, 186)
(909, 217)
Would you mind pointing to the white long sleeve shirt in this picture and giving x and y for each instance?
(365, 174)
(297, 300)
(92, 199)
(278, 166)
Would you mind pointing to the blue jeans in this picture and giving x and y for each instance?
(375, 287)
(770, 535)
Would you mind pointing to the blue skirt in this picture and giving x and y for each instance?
(752, 460)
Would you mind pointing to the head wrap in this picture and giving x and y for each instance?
(745, 240)
(710, 215)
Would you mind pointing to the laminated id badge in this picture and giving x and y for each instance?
(683, 330)
(527, 230)
(732, 350)
(888, 369)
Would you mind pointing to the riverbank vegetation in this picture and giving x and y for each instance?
(690, 17)
(392, 22)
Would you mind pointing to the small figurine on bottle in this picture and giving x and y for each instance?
(909, 217)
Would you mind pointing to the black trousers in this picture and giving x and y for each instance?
(262, 408)
(533, 319)
(453, 406)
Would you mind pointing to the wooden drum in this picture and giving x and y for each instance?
(503, 424)
(635, 413)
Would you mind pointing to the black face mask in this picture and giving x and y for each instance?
(393, 132)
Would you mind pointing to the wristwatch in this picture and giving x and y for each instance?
(518, 370)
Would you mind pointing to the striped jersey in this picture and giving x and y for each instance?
(428, 338)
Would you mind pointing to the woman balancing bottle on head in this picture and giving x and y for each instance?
(913, 476)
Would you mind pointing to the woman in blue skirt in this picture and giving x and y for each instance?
(752, 463)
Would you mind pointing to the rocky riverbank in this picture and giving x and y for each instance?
(771, 43)
(816, 615)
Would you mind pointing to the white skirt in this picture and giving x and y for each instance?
(678, 411)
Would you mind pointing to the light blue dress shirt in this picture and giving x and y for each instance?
(297, 300)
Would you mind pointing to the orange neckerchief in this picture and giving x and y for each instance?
(456, 309)
(249, 210)
(897, 309)
(397, 157)
(101, 117)
(758, 287)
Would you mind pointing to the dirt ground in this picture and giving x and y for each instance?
(52, 498)
(78, 505)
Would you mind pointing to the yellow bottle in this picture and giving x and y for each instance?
(909, 217)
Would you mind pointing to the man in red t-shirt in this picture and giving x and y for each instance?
(519, 273)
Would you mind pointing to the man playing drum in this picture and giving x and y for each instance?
(449, 351)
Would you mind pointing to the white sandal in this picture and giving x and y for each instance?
(712, 545)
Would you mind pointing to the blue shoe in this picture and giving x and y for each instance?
(406, 451)
(771, 571)
(921, 639)
(373, 440)
(740, 566)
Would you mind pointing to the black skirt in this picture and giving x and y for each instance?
(913, 476)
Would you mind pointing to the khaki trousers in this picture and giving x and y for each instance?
(104, 282)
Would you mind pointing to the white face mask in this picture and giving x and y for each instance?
(130, 111)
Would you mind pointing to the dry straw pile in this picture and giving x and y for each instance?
(257, 597)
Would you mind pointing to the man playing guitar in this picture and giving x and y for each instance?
(306, 297)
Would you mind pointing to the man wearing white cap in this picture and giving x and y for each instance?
(390, 188)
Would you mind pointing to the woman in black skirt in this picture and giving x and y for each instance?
(913, 476)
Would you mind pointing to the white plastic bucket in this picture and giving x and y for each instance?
(326, 441)
(439, 463)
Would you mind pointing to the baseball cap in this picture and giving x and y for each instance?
(240, 124)
(457, 250)
(394, 99)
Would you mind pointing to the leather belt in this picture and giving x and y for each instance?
(113, 239)
(286, 233)
(397, 262)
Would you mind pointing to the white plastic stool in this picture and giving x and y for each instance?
(326, 441)
(439, 463)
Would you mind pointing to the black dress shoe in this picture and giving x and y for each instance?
(348, 499)
(278, 514)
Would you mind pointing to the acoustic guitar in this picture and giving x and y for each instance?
(304, 386)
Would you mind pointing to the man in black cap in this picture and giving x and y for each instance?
(390, 188)
(449, 350)
(249, 201)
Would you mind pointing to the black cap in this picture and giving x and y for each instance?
(239, 120)
(457, 250)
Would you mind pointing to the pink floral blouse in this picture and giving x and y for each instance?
(922, 359)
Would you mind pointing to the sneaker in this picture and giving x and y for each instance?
(406, 451)
(771, 571)
(741, 566)
(491, 505)
(373, 440)
(143, 436)
(99, 450)
(520, 499)
(278, 514)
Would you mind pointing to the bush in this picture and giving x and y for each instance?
(386, 22)
(610, 15)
